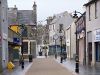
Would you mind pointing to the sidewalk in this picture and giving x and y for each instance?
(83, 70)
(17, 70)
(47, 66)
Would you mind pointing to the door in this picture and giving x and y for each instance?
(97, 45)
(89, 53)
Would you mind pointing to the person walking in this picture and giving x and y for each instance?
(22, 62)
(45, 54)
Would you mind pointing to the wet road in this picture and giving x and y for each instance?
(47, 66)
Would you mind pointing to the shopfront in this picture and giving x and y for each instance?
(13, 49)
(97, 45)
(81, 39)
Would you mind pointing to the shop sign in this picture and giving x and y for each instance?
(68, 42)
(97, 35)
(16, 40)
(5, 36)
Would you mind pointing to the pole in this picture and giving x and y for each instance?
(84, 40)
(61, 59)
(77, 54)
(55, 50)
(56, 47)
(22, 58)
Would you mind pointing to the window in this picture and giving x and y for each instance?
(89, 13)
(53, 27)
(60, 27)
(95, 10)
(25, 47)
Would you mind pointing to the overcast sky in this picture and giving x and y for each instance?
(47, 8)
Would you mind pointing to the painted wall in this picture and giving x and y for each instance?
(71, 41)
(4, 32)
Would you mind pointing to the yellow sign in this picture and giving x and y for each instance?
(10, 65)
(16, 47)
(15, 28)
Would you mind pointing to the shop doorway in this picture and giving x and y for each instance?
(97, 46)
(89, 53)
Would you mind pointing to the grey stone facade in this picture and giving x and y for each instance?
(29, 19)
(3, 34)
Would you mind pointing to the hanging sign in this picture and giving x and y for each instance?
(16, 40)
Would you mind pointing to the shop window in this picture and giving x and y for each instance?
(25, 47)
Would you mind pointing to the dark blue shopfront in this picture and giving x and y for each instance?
(97, 46)
(56, 49)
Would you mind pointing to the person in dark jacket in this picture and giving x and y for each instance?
(22, 62)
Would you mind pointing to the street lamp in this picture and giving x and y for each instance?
(55, 37)
(61, 37)
(77, 49)
(22, 26)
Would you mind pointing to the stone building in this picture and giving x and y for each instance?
(71, 40)
(27, 19)
(81, 38)
(93, 32)
(59, 21)
(3, 34)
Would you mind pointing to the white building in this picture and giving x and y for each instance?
(3, 34)
(71, 41)
(60, 20)
(93, 31)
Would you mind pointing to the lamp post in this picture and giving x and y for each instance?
(22, 26)
(61, 37)
(55, 37)
(77, 46)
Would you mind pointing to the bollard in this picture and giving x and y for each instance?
(30, 58)
(61, 59)
(22, 64)
(77, 64)
(55, 56)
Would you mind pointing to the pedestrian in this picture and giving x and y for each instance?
(56, 56)
(22, 63)
(46, 55)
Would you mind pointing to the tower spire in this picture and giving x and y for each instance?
(34, 5)
(35, 13)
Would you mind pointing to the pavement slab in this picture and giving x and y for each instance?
(47, 66)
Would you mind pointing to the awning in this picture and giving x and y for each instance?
(13, 44)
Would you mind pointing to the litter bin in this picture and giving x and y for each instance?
(40, 53)
(30, 58)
